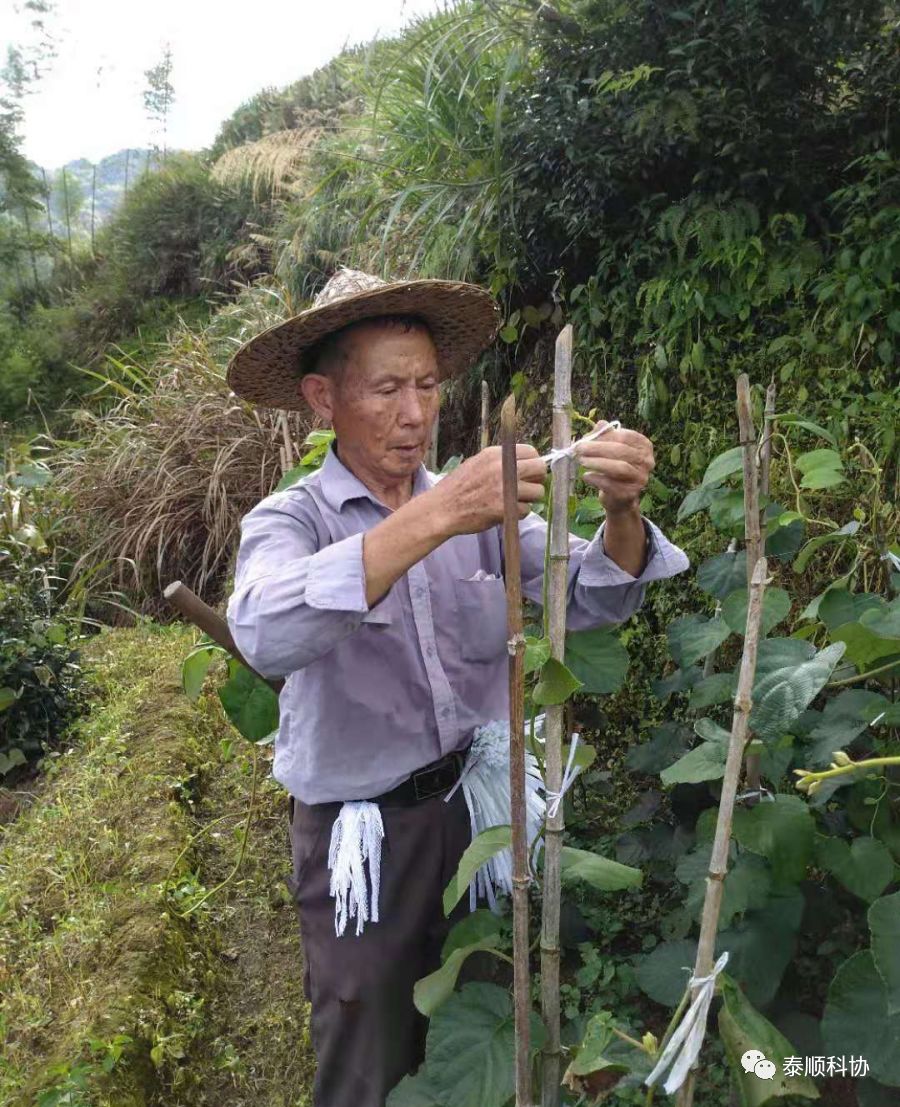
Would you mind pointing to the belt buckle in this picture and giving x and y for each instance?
(439, 779)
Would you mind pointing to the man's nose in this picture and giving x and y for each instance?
(412, 407)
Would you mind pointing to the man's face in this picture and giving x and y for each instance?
(383, 404)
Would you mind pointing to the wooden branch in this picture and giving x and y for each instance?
(765, 453)
(485, 438)
(561, 479)
(521, 874)
(201, 615)
(752, 533)
(718, 864)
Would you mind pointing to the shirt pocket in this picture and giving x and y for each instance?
(481, 613)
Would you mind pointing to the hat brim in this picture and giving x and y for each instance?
(463, 320)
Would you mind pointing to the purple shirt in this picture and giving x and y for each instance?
(372, 694)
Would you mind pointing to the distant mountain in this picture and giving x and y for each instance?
(115, 173)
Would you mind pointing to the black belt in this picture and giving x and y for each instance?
(430, 780)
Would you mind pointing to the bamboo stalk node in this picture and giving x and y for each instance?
(515, 643)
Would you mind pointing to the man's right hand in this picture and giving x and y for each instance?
(470, 497)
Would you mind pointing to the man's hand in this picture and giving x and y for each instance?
(471, 495)
(618, 465)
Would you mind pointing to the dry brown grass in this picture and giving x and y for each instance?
(156, 488)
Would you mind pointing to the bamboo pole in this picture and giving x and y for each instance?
(752, 532)
(68, 217)
(431, 454)
(718, 864)
(47, 196)
(555, 719)
(765, 452)
(93, 205)
(485, 414)
(521, 875)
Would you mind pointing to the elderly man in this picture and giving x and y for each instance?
(376, 589)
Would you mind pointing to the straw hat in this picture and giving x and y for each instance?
(463, 320)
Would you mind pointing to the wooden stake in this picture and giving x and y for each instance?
(718, 864)
(555, 719)
(485, 414)
(765, 450)
(521, 875)
(752, 533)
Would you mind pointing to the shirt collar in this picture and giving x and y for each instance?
(339, 484)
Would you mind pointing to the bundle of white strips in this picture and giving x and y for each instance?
(358, 830)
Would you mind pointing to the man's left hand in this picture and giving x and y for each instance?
(618, 465)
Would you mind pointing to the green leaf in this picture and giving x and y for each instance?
(8, 697)
(793, 420)
(781, 692)
(537, 652)
(556, 684)
(775, 607)
(598, 659)
(857, 1020)
(844, 718)
(679, 680)
(725, 465)
(667, 745)
(838, 606)
(477, 926)
(414, 1091)
(865, 866)
(841, 535)
(663, 974)
(884, 923)
(250, 704)
(762, 944)
(716, 688)
(692, 637)
(782, 831)
(195, 667)
(884, 620)
(865, 649)
(595, 1054)
(482, 848)
(700, 498)
(727, 513)
(785, 533)
(599, 872)
(820, 468)
(10, 759)
(509, 334)
(293, 476)
(705, 762)
(431, 991)
(743, 1028)
(720, 575)
(470, 1048)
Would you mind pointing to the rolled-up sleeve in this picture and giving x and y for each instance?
(292, 601)
(600, 592)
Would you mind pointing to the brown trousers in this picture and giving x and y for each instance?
(365, 1030)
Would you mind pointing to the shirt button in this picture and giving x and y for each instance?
(445, 711)
(429, 651)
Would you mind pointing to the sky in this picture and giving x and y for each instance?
(90, 104)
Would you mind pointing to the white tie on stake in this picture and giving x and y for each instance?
(570, 451)
(555, 798)
(683, 1047)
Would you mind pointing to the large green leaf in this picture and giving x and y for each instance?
(762, 945)
(856, 1019)
(470, 1048)
(726, 513)
(743, 1028)
(599, 872)
(866, 649)
(482, 848)
(725, 465)
(537, 653)
(556, 683)
(250, 704)
(775, 607)
(692, 637)
(783, 690)
(700, 498)
(884, 620)
(195, 667)
(597, 658)
(716, 688)
(865, 866)
(720, 575)
(842, 534)
(782, 831)
(663, 974)
(8, 697)
(844, 718)
(599, 1050)
(704, 762)
(820, 469)
(677, 681)
(884, 924)
(477, 926)
(746, 885)
(785, 532)
(667, 745)
(838, 606)
(431, 991)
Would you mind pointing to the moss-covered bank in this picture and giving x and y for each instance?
(108, 996)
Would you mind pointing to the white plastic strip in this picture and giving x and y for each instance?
(554, 799)
(683, 1048)
(356, 836)
(571, 451)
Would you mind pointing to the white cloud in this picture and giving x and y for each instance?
(223, 52)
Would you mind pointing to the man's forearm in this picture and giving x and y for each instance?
(400, 540)
(625, 539)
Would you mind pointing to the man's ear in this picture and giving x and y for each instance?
(318, 391)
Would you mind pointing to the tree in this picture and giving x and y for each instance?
(159, 96)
